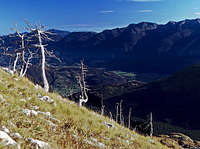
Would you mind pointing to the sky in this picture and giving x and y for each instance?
(93, 15)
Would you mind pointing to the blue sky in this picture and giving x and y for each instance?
(94, 15)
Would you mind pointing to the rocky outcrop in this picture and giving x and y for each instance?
(178, 139)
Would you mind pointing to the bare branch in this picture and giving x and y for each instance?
(24, 70)
(29, 27)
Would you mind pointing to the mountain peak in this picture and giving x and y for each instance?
(144, 25)
(171, 23)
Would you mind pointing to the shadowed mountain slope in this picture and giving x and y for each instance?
(143, 47)
(174, 99)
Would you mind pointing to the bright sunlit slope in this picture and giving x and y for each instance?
(31, 118)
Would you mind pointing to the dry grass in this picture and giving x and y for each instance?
(78, 127)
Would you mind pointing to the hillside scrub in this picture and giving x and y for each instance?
(62, 123)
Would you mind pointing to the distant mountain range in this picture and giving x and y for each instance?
(143, 47)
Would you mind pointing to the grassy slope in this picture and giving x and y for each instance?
(77, 125)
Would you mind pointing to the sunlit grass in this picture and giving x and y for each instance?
(78, 127)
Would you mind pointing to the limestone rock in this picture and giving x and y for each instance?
(8, 70)
(1, 98)
(6, 130)
(51, 124)
(39, 144)
(46, 114)
(46, 99)
(35, 107)
(6, 140)
(109, 125)
(16, 136)
(29, 112)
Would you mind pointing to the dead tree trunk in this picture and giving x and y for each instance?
(129, 118)
(151, 125)
(23, 67)
(82, 85)
(117, 112)
(15, 62)
(45, 81)
(111, 117)
(27, 63)
(21, 52)
(102, 106)
(40, 34)
(120, 112)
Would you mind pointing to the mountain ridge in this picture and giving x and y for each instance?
(166, 47)
(144, 47)
(179, 91)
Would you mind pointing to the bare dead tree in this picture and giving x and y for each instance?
(15, 62)
(117, 112)
(27, 64)
(129, 118)
(111, 117)
(82, 84)
(102, 105)
(17, 53)
(122, 121)
(21, 52)
(45, 81)
(120, 112)
(151, 124)
(40, 34)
